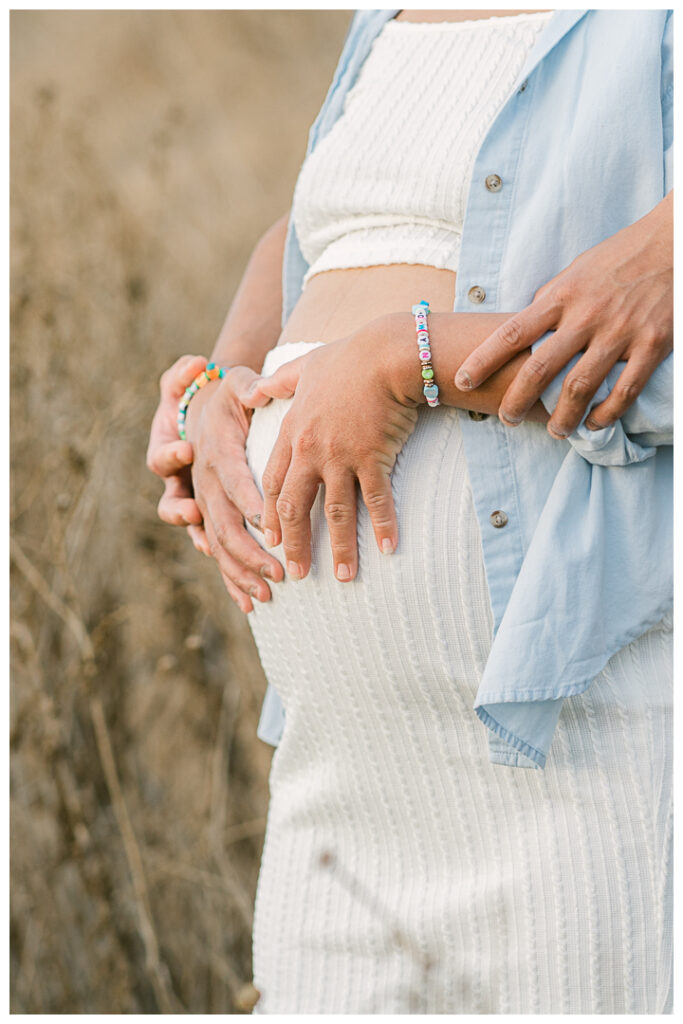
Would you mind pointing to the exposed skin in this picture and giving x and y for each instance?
(337, 432)
(614, 301)
(228, 493)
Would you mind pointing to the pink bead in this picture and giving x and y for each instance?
(425, 355)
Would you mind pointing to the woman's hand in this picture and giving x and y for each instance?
(170, 458)
(347, 423)
(224, 489)
(615, 302)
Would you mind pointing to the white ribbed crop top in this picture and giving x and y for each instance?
(389, 182)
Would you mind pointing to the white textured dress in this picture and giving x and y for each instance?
(402, 871)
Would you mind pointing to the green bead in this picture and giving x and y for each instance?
(427, 373)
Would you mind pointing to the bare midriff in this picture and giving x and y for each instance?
(336, 303)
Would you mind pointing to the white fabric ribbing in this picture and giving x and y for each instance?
(513, 891)
(389, 183)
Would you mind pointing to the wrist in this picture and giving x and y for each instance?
(195, 409)
(397, 349)
(241, 349)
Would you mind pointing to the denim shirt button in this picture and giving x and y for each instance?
(477, 416)
(498, 518)
(476, 293)
(493, 182)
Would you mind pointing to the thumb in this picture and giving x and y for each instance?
(180, 375)
(244, 383)
(282, 383)
(191, 369)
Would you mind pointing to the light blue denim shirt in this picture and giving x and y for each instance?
(584, 563)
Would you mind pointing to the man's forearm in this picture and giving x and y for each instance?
(252, 325)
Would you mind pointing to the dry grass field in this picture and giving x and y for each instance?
(149, 150)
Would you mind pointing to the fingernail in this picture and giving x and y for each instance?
(266, 572)
(592, 425)
(343, 572)
(558, 432)
(387, 546)
(509, 421)
(294, 570)
(256, 521)
(252, 387)
(254, 591)
(270, 538)
(463, 380)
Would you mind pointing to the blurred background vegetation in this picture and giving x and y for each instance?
(149, 150)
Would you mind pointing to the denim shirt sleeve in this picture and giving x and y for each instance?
(668, 102)
(646, 424)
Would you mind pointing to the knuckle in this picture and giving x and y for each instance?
(222, 537)
(209, 458)
(621, 328)
(561, 293)
(591, 313)
(536, 368)
(336, 448)
(287, 509)
(240, 579)
(547, 293)
(628, 390)
(306, 442)
(162, 510)
(664, 335)
(270, 483)
(579, 387)
(377, 501)
(510, 333)
(546, 300)
(338, 511)
(656, 340)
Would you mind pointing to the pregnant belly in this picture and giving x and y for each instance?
(337, 302)
(413, 627)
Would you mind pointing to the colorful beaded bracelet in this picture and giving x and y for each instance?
(212, 372)
(430, 388)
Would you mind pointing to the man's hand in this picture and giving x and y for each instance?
(613, 302)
